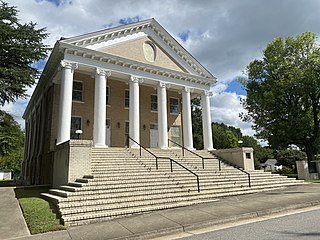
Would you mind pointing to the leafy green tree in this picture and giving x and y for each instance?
(288, 157)
(283, 93)
(11, 143)
(223, 136)
(196, 116)
(20, 46)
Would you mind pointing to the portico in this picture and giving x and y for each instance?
(100, 114)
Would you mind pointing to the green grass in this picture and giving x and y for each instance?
(37, 213)
(6, 183)
(313, 180)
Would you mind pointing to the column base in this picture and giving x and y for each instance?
(100, 145)
(135, 146)
(164, 148)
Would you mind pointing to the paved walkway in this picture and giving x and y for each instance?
(12, 223)
(179, 220)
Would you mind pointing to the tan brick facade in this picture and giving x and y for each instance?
(117, 113)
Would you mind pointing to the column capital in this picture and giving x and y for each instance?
(69, 65)
(101, 72)
(164, 85)
(136, 79)
(207, 93)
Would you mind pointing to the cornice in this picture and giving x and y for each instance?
(130, 64)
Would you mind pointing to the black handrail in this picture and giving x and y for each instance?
(145, 149)
(171, 160)
(202, 158)
(249, 177)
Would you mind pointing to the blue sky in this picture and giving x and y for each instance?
(224, 36)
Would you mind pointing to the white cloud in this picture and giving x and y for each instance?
(226, 108)
(223, 35)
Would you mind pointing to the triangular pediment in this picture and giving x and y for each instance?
(146, 42)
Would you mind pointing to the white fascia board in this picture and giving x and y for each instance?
(116, 29)
(134, 72)
(114, 41)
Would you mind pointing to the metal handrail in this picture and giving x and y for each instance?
(146, 150)
(240, 169)
(202, 158)
(171, 160)
(249, 177)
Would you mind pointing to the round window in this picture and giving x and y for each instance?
(149, 51)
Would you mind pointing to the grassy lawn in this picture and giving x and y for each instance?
(36, 211)
(313, 180)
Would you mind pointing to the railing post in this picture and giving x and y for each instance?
(198, 184)
(249, 180)
(202, 163)
(157, 163)
(140, 150)
(171, 164)
(219, 164)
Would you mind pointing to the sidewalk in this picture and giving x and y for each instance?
(12, 223)
(178, 220)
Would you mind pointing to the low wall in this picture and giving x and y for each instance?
(303, 170)
(241, 157)
(72, 160)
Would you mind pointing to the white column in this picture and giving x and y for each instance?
(134, 112)
(206, 120)
(162, 116)
(186, 118)
(100, 92)
(65, 105)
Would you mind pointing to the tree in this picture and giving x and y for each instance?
(11, 143)
(283, 93)
(20, 46)
(224, 136)
(288, 157)
(196, 115)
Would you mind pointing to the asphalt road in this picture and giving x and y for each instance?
(297, 226)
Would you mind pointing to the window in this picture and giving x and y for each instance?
(77, 91)
(76, 124)
(108, 96)
(154, 103)
(126, 98)
(174, 105)
(154, 126)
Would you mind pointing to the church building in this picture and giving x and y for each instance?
(132, 81)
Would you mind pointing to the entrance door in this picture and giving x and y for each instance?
(108, 132)
(154, 135)
(175, 135)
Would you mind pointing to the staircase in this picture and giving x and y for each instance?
(124, 183)
(214, 183)
(120, 184)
